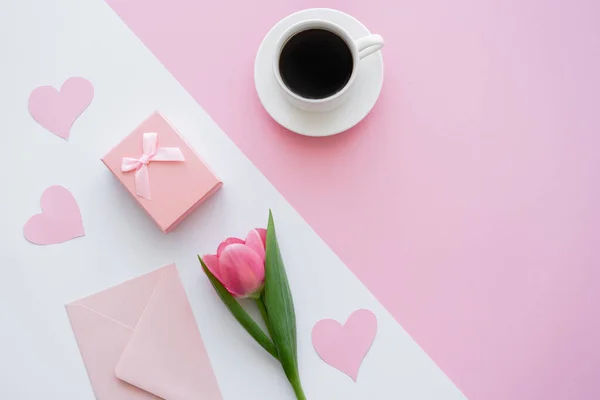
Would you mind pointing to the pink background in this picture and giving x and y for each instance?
(468, 200)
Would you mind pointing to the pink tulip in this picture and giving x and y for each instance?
(240, 264)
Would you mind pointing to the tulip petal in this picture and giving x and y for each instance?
(263, 235)
(255, 242)
(227, 242)
(242, 270)
(239, 313)
(212, 263)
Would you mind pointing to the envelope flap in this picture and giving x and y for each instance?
(125, 302)
(165, 354)
(101, 343)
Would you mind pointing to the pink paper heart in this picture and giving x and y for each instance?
(59, 221)
(56, 111)
(345, 346)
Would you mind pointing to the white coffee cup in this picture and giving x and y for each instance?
(359, 49)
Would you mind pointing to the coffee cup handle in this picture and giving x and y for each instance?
(368, 45)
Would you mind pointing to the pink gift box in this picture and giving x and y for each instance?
(162, 172)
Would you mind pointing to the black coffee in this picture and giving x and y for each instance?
(315, 63)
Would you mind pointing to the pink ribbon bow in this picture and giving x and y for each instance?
(140, 165)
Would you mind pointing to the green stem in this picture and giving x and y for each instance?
(263, 312)
(294, 382)
(298, 389)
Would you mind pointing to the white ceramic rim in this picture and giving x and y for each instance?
(312, 24)
(272, 97)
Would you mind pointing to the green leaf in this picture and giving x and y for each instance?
(260, 303)
(240, 314)
(280, 309)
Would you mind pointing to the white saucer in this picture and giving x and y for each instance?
(365, 91)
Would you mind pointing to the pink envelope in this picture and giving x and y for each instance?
(139, 341)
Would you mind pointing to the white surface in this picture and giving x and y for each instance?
(44, 42)
(361, 96)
